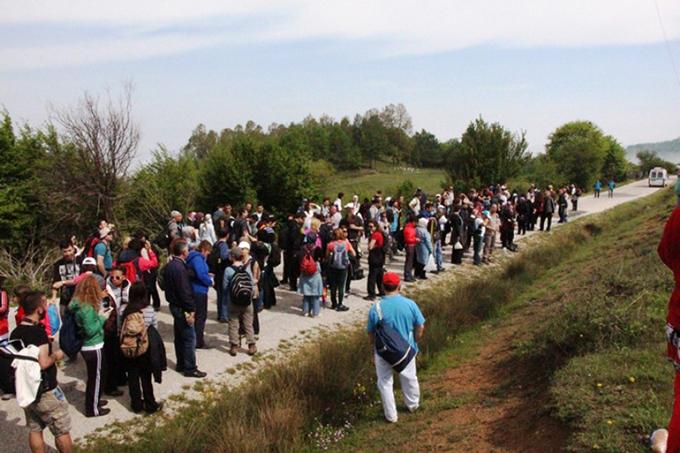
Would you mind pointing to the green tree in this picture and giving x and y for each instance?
(650, 159)
(578, 150)
(486, 154)
(225, 175)
(341, 150)
(200, 142)
(281, 178)
(615, 164)
(159, 187)
(427, 151)
(20, 207)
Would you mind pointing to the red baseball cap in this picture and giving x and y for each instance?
(391, 279)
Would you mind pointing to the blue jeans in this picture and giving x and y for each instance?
(185, 341)
(222, 304)
(311, 304)
(438, 255)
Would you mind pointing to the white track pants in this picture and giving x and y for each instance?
(409, 386)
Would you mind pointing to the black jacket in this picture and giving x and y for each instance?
(157, 357)
(177, 285)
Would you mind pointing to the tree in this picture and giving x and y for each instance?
(487, 154)
(650, 159)
(225, 175)
(159, 187)
(427, 151)
(20, 170)
(281, 178)
(578, 150)
(100, 141)
(615, 165)
(201, 142)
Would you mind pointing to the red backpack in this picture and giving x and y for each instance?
(307, 264)
(132, 271)
(88, 247)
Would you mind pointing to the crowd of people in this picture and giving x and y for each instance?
(105, 291)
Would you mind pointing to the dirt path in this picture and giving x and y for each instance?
(508, 411)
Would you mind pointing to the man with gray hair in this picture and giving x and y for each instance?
(179, 295)
(175, 225)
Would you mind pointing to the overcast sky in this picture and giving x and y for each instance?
(530, 65)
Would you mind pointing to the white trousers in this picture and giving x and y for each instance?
(409, 386)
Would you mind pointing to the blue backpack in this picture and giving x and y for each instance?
(390, 345)
(70, 340)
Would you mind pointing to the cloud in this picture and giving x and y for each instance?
(145, 29)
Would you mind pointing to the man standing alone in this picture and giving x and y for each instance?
(404, 316)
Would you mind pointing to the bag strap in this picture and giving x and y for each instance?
(379, 311)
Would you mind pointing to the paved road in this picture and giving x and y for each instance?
(282, 322)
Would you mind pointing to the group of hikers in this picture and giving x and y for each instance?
(104, 301)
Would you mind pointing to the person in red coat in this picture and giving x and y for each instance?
(410, 241)
(669, 252)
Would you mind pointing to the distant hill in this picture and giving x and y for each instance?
(669, 150)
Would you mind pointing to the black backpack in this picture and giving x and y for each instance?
(70, 340)
(241, 288)
(214, 260)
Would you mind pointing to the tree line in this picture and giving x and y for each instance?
(60, 179)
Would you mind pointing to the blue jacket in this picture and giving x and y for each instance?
(202, 280)
(424, 247)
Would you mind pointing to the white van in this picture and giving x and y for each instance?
(658, 177)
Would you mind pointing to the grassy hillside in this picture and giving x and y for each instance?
(388, 179)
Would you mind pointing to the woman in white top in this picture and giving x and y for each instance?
(206, 231)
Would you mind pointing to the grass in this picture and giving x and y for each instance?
(389, 179)
(314, 397)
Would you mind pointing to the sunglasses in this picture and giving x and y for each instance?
(116, 277)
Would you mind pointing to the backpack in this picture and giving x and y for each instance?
(134, 336)
(307, 264)
(132, 271)
(88, 247)
(399, 237)
(390, 345)
(386, 243)
(70, 340)
(163, 239)
(339, 256)
(214, 259)
(241, 287)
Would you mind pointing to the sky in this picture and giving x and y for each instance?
(530, 65)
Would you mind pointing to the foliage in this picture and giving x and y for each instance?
(427, 151)
(487, 154)
(615, 165)
(164, 184)
(650, 159)
(20, 170)
(602, 339)
(225, 175)
(578, 150)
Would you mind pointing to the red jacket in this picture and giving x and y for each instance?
(669, 252)
(410, 234)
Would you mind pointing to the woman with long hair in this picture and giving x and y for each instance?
(139, 313)
(90, 316)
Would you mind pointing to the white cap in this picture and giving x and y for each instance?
(244, 245)
(89, 260)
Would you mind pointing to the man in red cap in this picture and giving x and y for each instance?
(404, 316)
